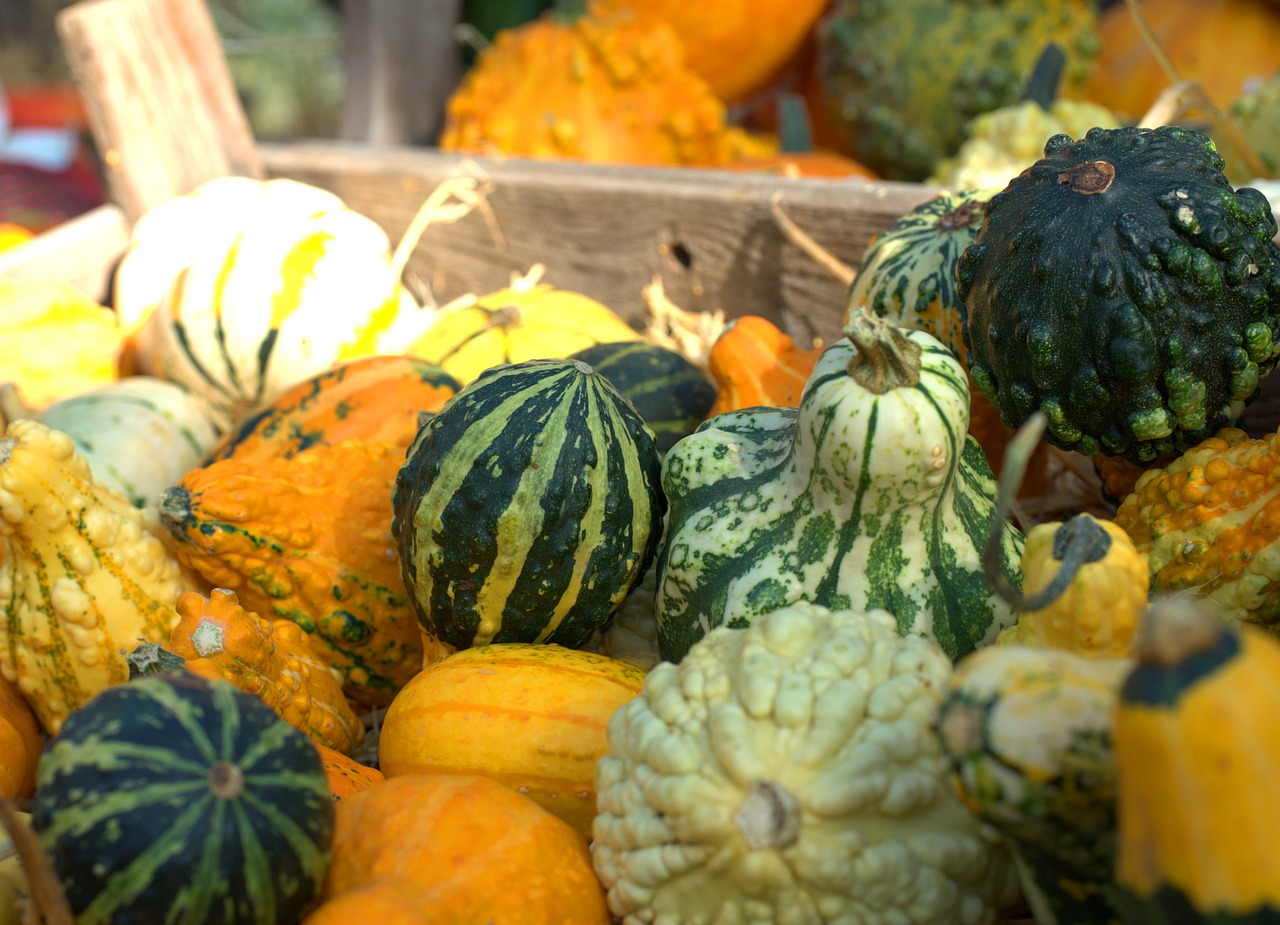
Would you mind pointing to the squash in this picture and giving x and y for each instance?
(1206, 524)
(1026, 733)
(1087, 291)
(827, 164)
(609, 88)
(82, 577)
(344, 774)
(139, 435)
(529, 716)
(672, 395)
(1119, 476)
(287, 289)
(528, 508)
(755, 363)
(307, 539)
(20, 743)
(431, 848)
(788, 772)
(903, 78)
(870, 495)
(1197, 754)
(219, 640)
(175, 797)
(527, 321)
(632, 635)
(376, 399)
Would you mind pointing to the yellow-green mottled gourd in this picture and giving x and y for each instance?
(82, 578)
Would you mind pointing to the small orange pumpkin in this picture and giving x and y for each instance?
(754, 362)
(20, 743)
(346, 775)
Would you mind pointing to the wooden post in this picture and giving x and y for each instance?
(161, 103)
(402, 61)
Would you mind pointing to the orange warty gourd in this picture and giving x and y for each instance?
(530, 716)
(426, 849)
(274, 659)
(346, 775)
(20, 743)
(754, 362)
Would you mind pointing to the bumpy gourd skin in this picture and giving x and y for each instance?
(1139, 310)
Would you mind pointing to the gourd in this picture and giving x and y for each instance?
(376, 399)
(672, 395)
(907, 275)
(526, 321)
(307, 539)
(632, 635)
(426, 848)
(82, 577)
(1206, 525)
(609, 88)
(1026, 733)
(285, 292)
(344, 774)
(1088, 289)
(1196, 755)
(139, 434)
(20, 743)
(902, 111)
(788, 771)
(176, 798)
(754, 362)
(528, 508)
(219, 639)
(529, 716)
(870, 495)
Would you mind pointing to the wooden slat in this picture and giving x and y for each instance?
(82, 252)
(710, 236)
(161, 103)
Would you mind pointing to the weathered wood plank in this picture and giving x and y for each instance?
(710, 236)
(82, 252)
(161, 103)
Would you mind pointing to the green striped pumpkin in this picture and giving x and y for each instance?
(172, 799)
(671, 394)
(869, 495)
(528, 507)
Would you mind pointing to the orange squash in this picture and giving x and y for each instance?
(20, 743)
(346, 775)
(754, 362)
(530, 716)
(827, 164)
(427, 849)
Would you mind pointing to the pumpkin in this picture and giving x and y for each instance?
(219, 639)
(1026, 732)
(672, 395)
(20, 743)
(903, 78)
(787, 770)
(175, 797)
(84, 354)
(376, 399)
(307, 539)
(870, 495)
(529, 716)
(754, 362)
(1206, 524)
(1119, 476)
(1197, 753)
(527, 321)
(437, 843)
(599, 88)
(528, 508)
(139, 435)
(344, 774)
(828, 164)
(285, 290)
(82, 577)
(1110, 252)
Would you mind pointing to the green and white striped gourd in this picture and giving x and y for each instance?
(869, 495)
(528, 507)
(173, 799)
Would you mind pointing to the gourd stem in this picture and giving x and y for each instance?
(1075, 544)
(768, 817)
(47, 895)
(1042, 84)
(886, 358)
(1017, 455)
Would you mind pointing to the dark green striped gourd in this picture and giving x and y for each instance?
(671, 394)
(869, 495)
(172, 799)
(528, 507)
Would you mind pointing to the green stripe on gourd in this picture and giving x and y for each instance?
(528, 507)
(869, 495)
(176, 799)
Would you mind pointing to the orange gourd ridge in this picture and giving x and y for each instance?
(755, 363)
(346, 775)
